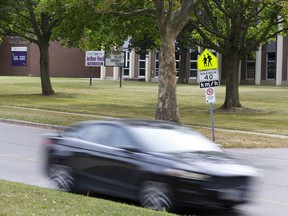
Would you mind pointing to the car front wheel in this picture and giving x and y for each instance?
(61, 178)
(156, 196)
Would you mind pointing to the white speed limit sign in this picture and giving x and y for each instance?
(208, 75)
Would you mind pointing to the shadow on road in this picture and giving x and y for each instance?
(210, 212)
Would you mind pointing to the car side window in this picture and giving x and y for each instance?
(91, 133)
(118, 138)
(108, 135)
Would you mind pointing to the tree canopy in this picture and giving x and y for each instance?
(100, 26)
(234, 28)
(109, 23)
(33, 20)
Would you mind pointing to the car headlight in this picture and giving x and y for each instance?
(187, 175)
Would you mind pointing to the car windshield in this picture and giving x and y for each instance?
(178, 139)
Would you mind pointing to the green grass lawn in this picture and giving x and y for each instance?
(267, 113)
(20, 199)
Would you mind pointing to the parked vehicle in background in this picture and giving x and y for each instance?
(159, 164)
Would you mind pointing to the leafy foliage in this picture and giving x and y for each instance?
(33, 20)
(106, 24)
(243, 24)
(90, 25)
(30, 19)
(234, 28)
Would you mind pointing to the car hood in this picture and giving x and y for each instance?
(211, 163)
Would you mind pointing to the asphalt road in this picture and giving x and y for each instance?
(21, 154)
(21, 160)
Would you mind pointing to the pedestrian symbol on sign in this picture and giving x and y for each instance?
(209, 60)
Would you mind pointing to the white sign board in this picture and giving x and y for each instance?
(19, 49)
(115, 59)
(210, 95)
(209, 75)
(94, 58)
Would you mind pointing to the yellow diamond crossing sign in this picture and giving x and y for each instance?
(207, 61)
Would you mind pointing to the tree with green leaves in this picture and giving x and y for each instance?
(33, 20)
(122, 19)
(170, 19)
(235, 28)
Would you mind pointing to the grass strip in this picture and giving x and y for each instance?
(77, 101)
(21, 199)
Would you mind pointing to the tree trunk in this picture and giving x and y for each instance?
(183, 70)
(232, 100)
(167, 107)
(44, 69)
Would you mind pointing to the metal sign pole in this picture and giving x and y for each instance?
(90, 70)
(121, 75)
(207, 65)
(212, 121)
(94, 59)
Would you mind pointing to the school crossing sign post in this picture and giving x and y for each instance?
(94, 59)
(207, 65)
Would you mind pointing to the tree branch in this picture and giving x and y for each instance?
(186, 10)
(10, 32)
(207, 39)
(201, 22)
(159, 6)
(37, 31)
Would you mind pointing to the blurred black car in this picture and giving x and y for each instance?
(159, 164)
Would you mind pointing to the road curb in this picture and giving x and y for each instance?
(58, 127)
(32, 124)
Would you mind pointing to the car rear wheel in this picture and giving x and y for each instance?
(61, 178)
(156, 196)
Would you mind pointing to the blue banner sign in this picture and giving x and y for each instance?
(19, 56)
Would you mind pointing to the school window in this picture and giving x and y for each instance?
(177, 63)
(271, 65)
(142, 63)
(250, 67)
(193, 64)
(156, 64)
(127, 64)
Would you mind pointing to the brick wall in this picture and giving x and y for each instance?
(64, 62)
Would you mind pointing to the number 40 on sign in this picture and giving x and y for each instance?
(208, 75)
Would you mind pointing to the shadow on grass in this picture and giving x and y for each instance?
(57, 94)
(193, 211)
(238, 110)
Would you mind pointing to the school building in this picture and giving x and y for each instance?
(266, 66)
